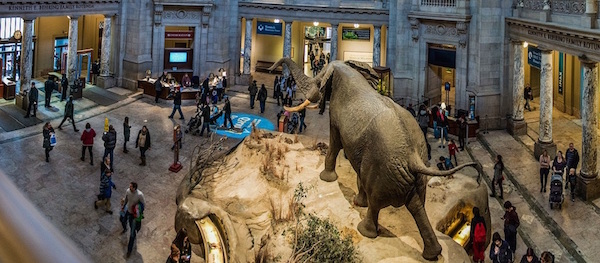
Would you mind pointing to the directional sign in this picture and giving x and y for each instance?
(243, 125)
(268, 28)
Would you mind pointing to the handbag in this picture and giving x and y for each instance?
(52, 140)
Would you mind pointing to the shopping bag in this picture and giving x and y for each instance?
(52, 140)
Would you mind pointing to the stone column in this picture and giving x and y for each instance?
(72, 53)
(517, 125)
(26, 55)
(287, 40)
(376, 45)
(106, 47)
(546, 88)
(334, 39)
(588, 182)
(247, 45)
(591, 7)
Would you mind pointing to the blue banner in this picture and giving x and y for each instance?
(243, 125)
(268, 28)
(534, 57)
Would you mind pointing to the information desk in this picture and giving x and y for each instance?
(472, 127)
(148, 87)
(8, 91)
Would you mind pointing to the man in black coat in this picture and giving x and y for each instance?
(33, 100)
(49, 86)
(177, 104)
(253, 89)
(110, 141)
(227, 110)
(68, 114)
(206, 120)
(262, 98)
(64, 84)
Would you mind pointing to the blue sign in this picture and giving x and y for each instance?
(268, 28)
(534, 57)
(243, 125)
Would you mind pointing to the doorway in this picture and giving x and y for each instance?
(61, 47)
(441, 75)
(317, 48)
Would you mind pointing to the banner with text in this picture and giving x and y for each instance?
(534, 57)
(356, 33)
(268, 28)
(561, 72)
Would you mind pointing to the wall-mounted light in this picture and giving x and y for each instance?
(276, 20)
(356, 25)
(525, 44)
(315, 23)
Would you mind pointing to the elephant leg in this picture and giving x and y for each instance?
(368, 227)
(329, 174)
(361, 197)
(416, 207)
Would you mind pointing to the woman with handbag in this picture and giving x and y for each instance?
(511, 223)
(49, 135)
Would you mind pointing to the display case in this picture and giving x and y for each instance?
(472, 107)
(383, 86)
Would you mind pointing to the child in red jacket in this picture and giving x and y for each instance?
(87, 138)
(452, 151)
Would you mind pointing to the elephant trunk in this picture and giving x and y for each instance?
(307, 85)
(422, 169)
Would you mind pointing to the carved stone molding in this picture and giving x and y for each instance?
(158, 10)
(440, 30)
(462, 33)
(181, 14)
(414, 27)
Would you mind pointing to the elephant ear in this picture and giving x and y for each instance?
(324, 77)
(367, 71)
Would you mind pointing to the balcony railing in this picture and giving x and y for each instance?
(439, 3)
(575, 7)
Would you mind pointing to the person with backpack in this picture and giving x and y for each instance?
(511, 223)
(478, 232)
(500, 251)
(106, 184)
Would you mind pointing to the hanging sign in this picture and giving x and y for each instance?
(534, 57)
(268, 28)
(180, 34)
(356, 33)
(561, 73)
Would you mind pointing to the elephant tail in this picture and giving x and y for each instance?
(422, 169)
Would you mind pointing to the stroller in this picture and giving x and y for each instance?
(195, 124)
(293, 123)
(556, 191)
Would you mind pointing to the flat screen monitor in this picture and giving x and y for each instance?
(178, 57)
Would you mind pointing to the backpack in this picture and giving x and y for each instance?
(479, 234)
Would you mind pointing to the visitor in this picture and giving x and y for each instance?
(262, 97)
(452, 151)
(134, 205)
(500, 251)
(498, 177)
(442, 123)
(544, 170)
(572, 157)
(33, 100)
(110, 141)
(87, 139)
(275, 86)
(182, 244)
(143, 142)
(462, 131)
(559, 164)
(227, 111)
(186, 82)
(177, 105)
(49, 86)
(288, 94)
(64, 85)
(253, 89)
(546, 257)
(220, 88)
(302, 114)
(95, 71)
(511, 223)
(528, 96)
(68, 114)
(423, 118)
(205, 120)
(105, 165)
(106, 184)
(126, 133)
(530, 257)
(572, 178)
(478, 232)
(48, 132)
(411, 110)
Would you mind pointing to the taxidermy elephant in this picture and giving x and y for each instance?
(382, 141)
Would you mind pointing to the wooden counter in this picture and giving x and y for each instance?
(148, 87)
(8, 92)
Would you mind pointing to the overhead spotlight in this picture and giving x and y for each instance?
(525, 44)
(276, 21)
(356, 25)
(315, 23)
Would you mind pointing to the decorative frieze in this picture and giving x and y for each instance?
(568, 6)
(414, 28)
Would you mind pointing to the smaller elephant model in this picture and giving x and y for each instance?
(382, 141)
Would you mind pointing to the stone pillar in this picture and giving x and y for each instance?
(247, 46)
(72, 53)
(287, 40)
(517, 125)
(589, 186)
(546, 87)
(106, 47)
(591, 7)
(376, 45)
(590, 16)
(26, 55)
(334, 39)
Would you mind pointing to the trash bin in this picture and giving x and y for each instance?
(77, 88)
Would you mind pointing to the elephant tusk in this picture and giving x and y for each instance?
(297, 108)
(314, 106)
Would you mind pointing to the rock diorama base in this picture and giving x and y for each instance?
(251, 192)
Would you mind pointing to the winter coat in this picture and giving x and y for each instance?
(474, 223)
(46, 133)
(110, 139)
(503, 256)
(147, 143)
(262, 94)
(227, 107)
(572, 158)
(49, 86)
(87, 137)
(206, 114)
(423, 119)
(511, 219)
(126, 131)
(253, 89)
(69, 108)
(498, 169)
(177, 98)
(33, 95)
(106, 186)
